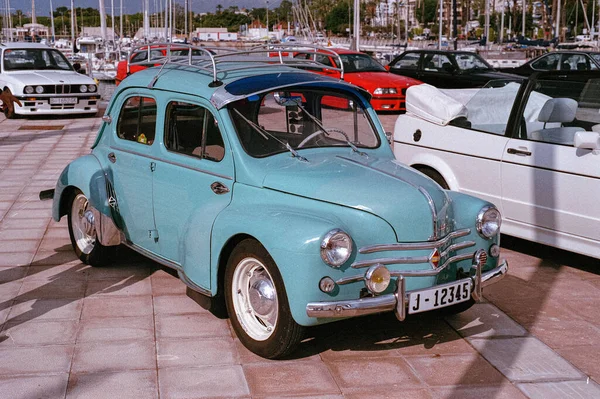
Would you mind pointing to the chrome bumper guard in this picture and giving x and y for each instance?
(398, 301)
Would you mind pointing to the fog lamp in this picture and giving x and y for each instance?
(377, 278)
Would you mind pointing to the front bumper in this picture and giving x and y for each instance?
(40, 105)
(398, 301)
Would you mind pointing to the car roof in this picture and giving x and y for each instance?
(23, 45)
(231, 85)
(440, 51)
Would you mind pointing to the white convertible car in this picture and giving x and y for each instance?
(44, 81)
(531, 146)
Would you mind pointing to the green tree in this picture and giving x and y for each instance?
(336, 21)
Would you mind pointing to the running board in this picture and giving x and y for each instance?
(172, 265)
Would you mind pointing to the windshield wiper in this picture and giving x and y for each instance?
(320, 125)
(265, 133)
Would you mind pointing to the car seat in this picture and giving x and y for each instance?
(557, 110)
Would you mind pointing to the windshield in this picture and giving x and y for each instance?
(360, 63)
(28, 59)
(471, 62)
(281, 121)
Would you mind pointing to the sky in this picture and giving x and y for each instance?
(42, 7)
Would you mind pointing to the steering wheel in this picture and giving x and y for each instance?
(319, 132)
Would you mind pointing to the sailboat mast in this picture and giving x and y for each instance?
(52, 20)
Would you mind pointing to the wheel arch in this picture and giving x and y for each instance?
(439, 166)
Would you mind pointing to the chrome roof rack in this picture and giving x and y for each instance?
(217, 60)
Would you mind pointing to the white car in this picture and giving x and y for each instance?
(530, 146)
(44, 81)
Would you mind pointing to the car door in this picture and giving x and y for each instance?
(193, 182)
(130, 165)
(406, 65)
(550, 188)
(436, 69)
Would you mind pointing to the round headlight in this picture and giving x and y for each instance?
(28, 90)
(92, 88)
(488, 222)
(377, 278)
(39, 89)
(83, 89)
(336, 248)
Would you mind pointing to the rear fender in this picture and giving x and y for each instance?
(86, 174)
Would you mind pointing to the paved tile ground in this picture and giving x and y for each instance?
(129, 330)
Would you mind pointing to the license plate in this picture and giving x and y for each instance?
(63, 100)
(439, 297)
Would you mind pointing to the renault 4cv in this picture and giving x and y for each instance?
(241, 175)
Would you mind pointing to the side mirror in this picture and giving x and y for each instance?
(587, 140)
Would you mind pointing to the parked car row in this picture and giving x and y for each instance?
(273, 191)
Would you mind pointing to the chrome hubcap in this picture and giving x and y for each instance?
(83, 224)
(255, 299)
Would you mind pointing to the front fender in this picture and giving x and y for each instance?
(86, 174)
(291, 229)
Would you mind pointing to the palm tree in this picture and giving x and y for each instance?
(219, 8)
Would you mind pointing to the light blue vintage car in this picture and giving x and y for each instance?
(274, 190)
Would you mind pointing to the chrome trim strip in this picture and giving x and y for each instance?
(170, 162)
(457, 247)
(410, 273)
(384, 303)
(390, 261)
(193, 286)
(434, 214)
(170, 264)
(411, 260)
(415, 245)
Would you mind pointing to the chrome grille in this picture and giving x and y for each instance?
(444, 245)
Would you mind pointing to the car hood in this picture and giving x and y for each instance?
(373, 80)
(406, 199)
(49, 77)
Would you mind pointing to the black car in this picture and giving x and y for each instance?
(446, 69)
(559, 61)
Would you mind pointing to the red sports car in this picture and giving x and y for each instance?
(140, 54)
(388, 90)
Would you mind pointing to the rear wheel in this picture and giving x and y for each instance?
(257, 302)
(82, 231)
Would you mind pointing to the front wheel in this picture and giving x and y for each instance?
(82, 231)
(257, 302)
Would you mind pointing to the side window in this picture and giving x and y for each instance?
(192, 130)
(547, 63)
(489, 109)
(438, 63)
(323, 59)
(575, 62)
(137, 120)
(409, 61)
(558, 109)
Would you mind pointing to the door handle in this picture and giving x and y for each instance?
(518, 152)
(219, 188)
(112, 157)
